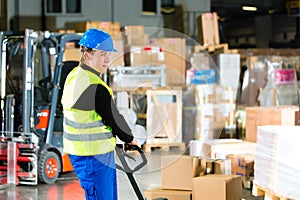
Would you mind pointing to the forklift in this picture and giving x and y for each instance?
(33, 72)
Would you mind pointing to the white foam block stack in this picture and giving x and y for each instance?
(229, 69)
(277, 163)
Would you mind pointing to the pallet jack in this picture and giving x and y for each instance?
(121, 150)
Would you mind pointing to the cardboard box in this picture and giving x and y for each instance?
(217, 187)
(242, 165)
(219, 148)
(168, 194)
(218, 166)
(72, 54)
(200, 61)
(208, 29)
(134, 35)
(112, 28)
(117, 58)
(260, 116)
(178, 171)
(222, 166)
(164, 51)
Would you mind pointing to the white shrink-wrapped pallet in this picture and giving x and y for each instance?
(276, 163)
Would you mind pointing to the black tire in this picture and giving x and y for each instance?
(49, 167)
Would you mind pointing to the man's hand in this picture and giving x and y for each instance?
(133, 142)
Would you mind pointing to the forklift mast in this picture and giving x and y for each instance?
(31, 113)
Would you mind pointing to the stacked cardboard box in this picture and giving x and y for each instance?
(163, 51)
(112, 28)
(134, 35)
(182, 177)
(215, 110)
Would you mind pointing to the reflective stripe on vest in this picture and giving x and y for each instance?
(88, 137)
(83, 125)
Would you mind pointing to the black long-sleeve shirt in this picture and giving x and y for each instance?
(96, 97)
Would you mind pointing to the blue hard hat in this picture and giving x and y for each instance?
(97, 39)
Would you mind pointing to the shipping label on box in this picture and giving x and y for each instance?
(201, 76)
(285, 76)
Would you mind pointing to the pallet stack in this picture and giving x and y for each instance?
(277, 169)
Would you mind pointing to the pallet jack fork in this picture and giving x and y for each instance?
(121, 152)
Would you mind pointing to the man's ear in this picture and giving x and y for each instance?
(87, 55)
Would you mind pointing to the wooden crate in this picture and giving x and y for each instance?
(163, 116)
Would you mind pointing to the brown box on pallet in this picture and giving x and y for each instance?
(277, 115)
(168, 194)
(163, 51)
(208, 29)
(112, 28)
(217, 187)
(178, 171)
(134, 35)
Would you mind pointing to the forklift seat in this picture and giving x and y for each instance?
(68, 66)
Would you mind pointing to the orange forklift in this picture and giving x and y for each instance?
(33, 71)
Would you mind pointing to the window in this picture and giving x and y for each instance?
(150, 7)
(63, 7)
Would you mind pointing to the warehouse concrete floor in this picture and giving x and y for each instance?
(67, 187)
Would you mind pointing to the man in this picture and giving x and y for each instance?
(91, 119)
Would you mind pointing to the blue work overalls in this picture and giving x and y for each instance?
(97, 175)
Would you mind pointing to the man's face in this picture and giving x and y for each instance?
(100, 60)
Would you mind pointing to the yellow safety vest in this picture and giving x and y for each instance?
(84, 132)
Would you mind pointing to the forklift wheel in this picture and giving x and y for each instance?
(49, 167)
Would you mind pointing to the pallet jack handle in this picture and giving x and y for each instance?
(121, 152)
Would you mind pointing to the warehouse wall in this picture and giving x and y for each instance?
(27, 14)
(126, 12)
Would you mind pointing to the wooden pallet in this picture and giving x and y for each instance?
(221, 48)
(269, 195)
(163, 146)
